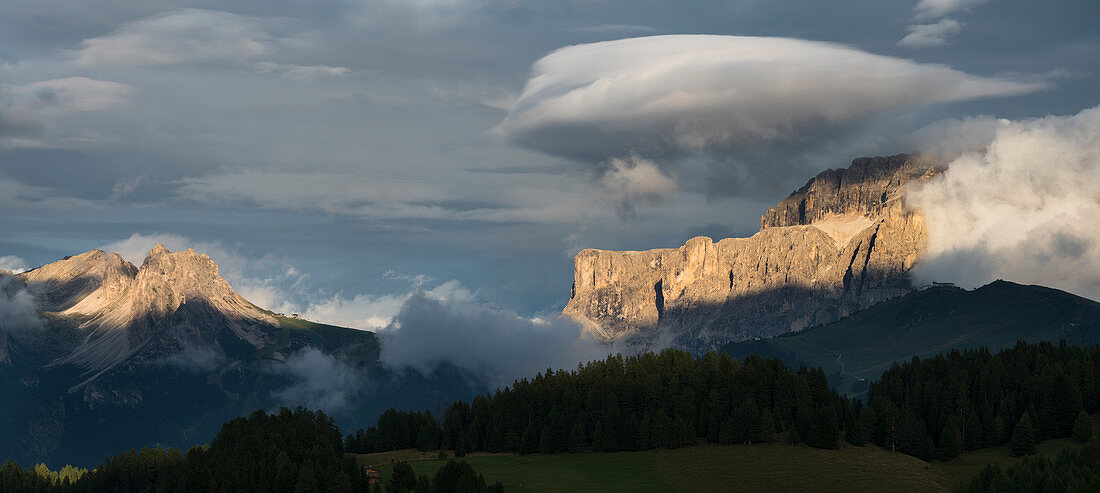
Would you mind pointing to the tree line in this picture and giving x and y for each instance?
(932, 408)
(665, 400)
(297, 451)
(1071, 471)
(940, 406)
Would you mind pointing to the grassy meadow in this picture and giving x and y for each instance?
(773, 467)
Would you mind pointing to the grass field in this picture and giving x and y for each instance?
(769, 467)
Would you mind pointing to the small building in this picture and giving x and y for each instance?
(374, 476)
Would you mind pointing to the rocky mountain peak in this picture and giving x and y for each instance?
(868, 187)
(844, 241)
(174, 301)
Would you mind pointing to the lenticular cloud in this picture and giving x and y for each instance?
(687, 94)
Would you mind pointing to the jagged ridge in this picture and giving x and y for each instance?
(173, 302)
(842, 242)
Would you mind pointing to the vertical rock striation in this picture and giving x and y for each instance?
(842, 242)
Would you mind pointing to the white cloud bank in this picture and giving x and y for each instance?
(686, 94)
(12, 264)
(1027, 209)
(198, 36)
(495, 344)
(188, 35)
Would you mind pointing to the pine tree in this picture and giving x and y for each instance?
(307, 481)
(725, 431)
(767, 426)
(577, 441)
(461, 447)
(825, 429)
(972, 432)
(529, 444)
(1023, 438)
(424, 484)
(496, 440)
(402, 479)
(544, 440)
(1082, 427)
(597, 437)
(950, 441)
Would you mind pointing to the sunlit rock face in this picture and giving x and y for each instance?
(844, 241)
(173, 302)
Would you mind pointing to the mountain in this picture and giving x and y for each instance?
(174, 303)
(123, 356)
(843, 242)
(929, 321)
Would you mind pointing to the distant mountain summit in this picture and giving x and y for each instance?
(929, 321)
(116, 357)
(174, 302)
(843, 242)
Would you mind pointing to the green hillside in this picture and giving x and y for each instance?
(772, 467)
(927, 322)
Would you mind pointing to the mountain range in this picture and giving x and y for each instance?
(116, 356)
(928, 321)
(124, 356)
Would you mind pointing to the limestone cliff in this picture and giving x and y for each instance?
(174, 302)
(842, 242)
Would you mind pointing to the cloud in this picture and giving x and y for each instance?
(16, 126)
(68, 95)
(195, 358)
(636, 180)
(18, 309)
(301, 72)
(929, 9)
(12, 264)
(619, 29)
(1025, 209)
(929, 35)
(947, 140)
(736, 99)
(545, 199)
(127, 186)
(181, 36)
(15, 195)
(320, 381)
(367, 312)
(495, 344)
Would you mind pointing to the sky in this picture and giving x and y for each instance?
(343, 158)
